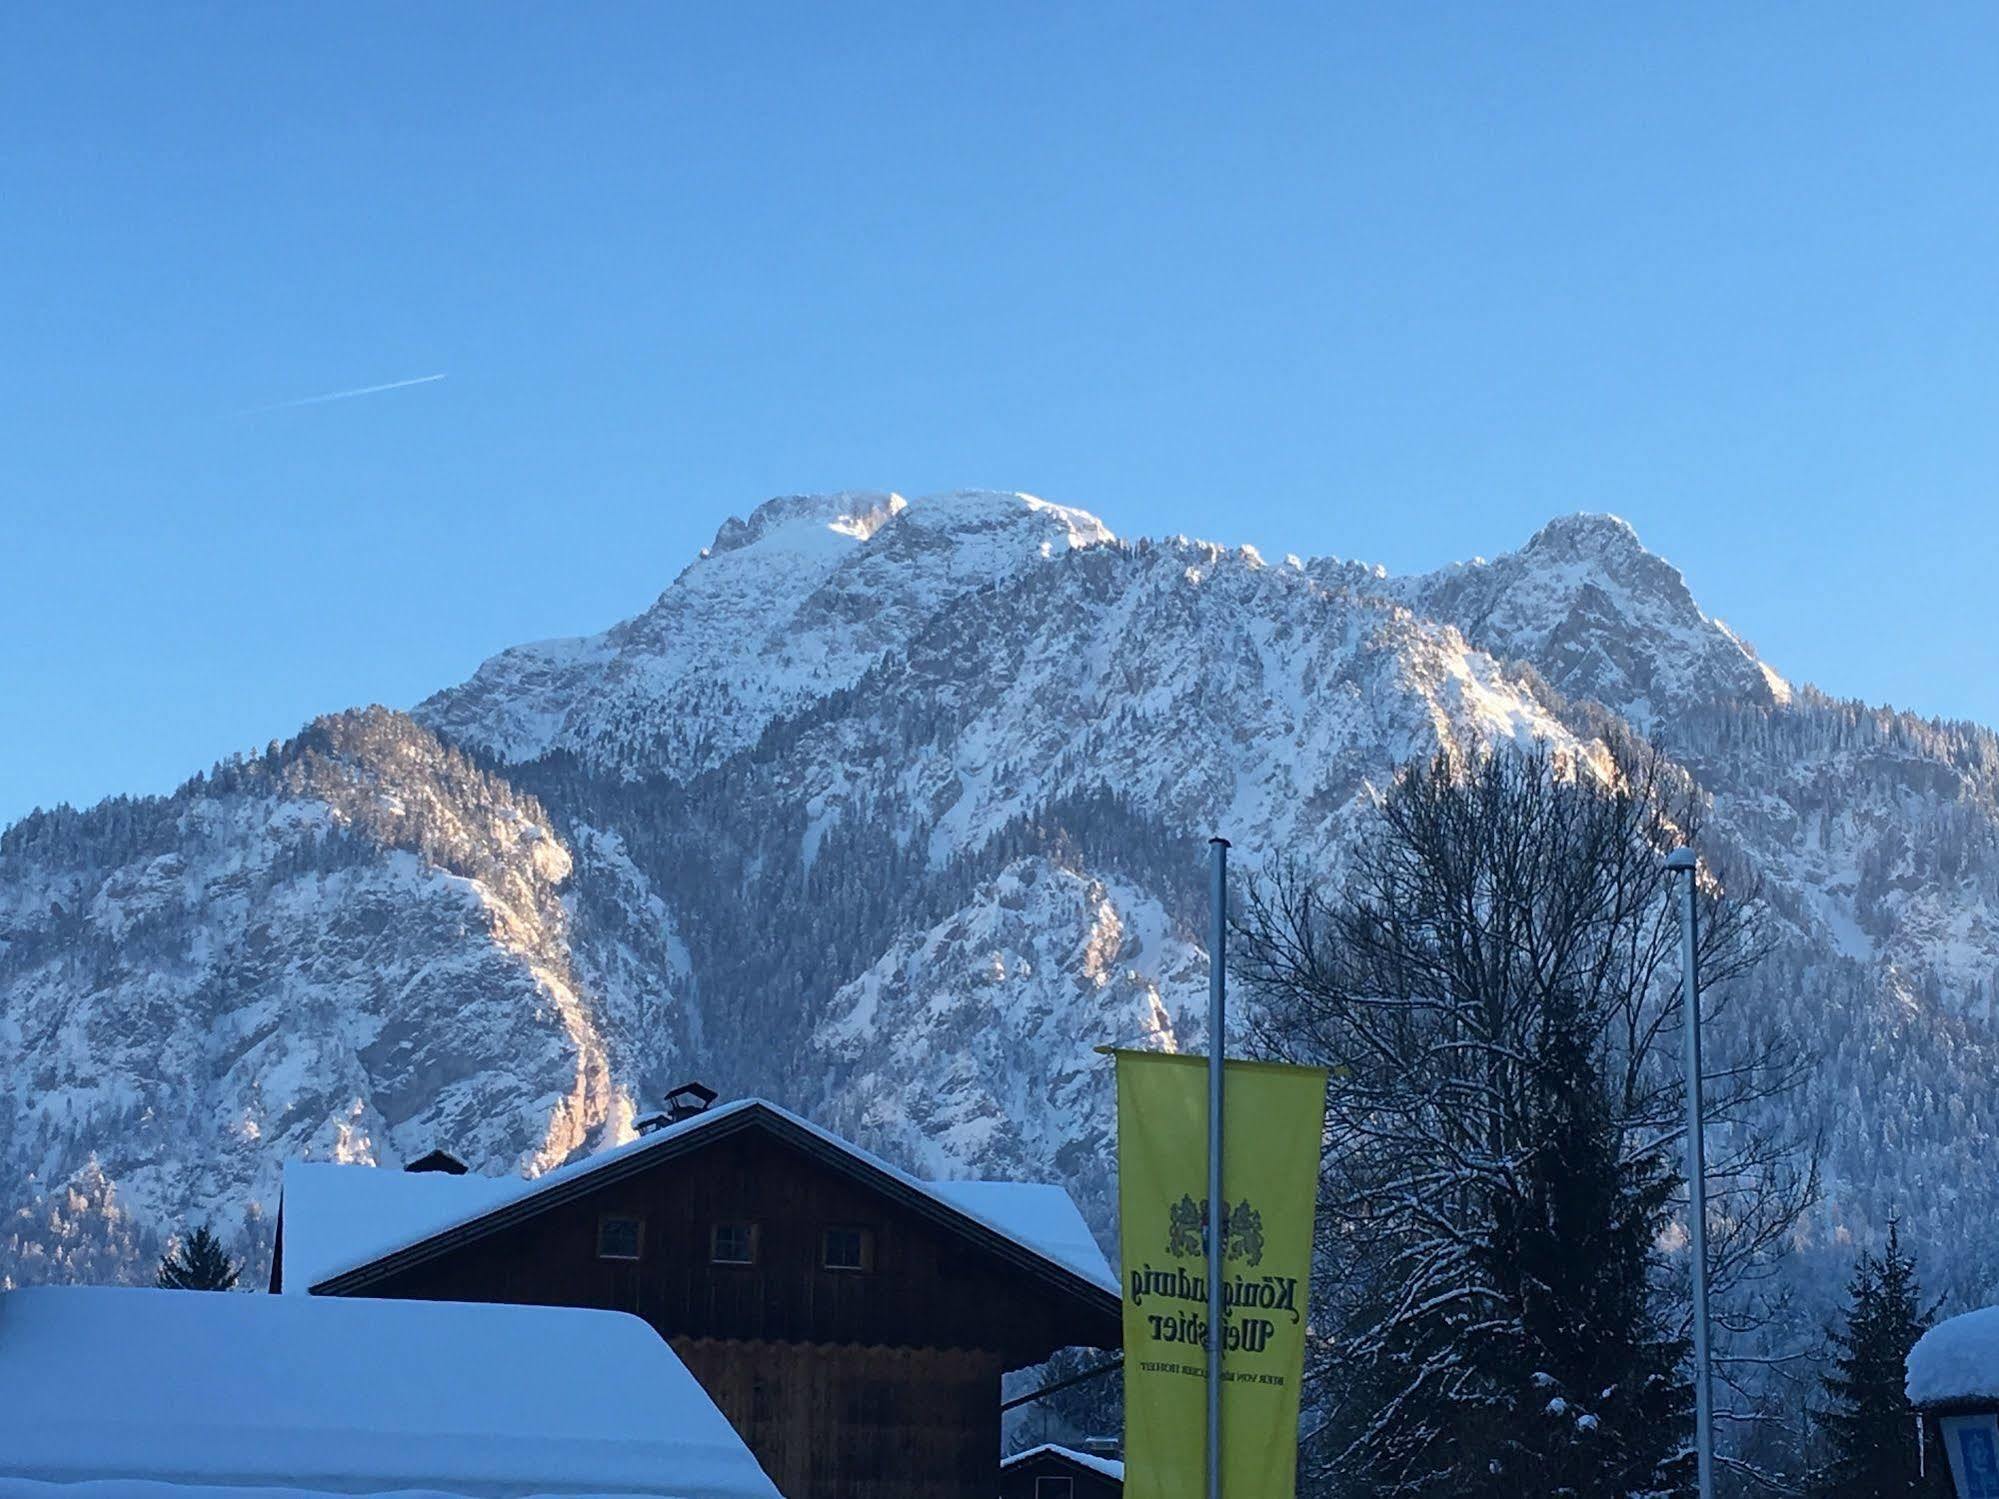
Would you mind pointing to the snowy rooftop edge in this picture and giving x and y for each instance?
(1957, 1360)
(1039, 1217)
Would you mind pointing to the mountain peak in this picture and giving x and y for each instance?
(818, 524)
(1601, 617)
(850, 514)
(1587, 533)
(795, 602)
(1606, 550)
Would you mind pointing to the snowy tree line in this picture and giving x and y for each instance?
(1493, 985)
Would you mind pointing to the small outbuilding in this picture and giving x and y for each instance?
(1953, 1380)
(193, 1395)
(1053, 1472)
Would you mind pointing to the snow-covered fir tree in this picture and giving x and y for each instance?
(197, 1263)
(1595, 1397)
(1870, 1427)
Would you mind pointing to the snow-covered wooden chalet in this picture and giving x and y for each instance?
(850, 1320)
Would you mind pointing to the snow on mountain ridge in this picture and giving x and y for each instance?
(1599, 615)
(965, 510)
(855, 514)
(788, 606)
(1206, 686)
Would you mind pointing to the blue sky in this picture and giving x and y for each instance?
(1393, 282)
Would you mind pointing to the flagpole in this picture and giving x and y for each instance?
(1683, 861)
(1217, 1205)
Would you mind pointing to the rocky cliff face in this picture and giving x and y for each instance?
(1600, 618)
(896, 810)
(353, 947)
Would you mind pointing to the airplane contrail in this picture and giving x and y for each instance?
(342, 395)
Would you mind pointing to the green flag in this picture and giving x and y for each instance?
(1272, 1117)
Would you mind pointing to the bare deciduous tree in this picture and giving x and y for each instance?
(1494, 982)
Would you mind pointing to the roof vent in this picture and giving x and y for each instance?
(645, 1124)
(687, 1100)
(438, 1160)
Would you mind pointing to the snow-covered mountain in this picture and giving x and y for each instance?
(782, 609)
(896, 810)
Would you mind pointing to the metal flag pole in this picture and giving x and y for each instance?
(1682, 861)
(1217, 1038)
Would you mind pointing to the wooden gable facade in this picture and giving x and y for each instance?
(852, 1327)
(1058, 1473)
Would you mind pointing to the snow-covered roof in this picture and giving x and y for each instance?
(1957, 1361)
(1039, 1214)
(1110, 1467)
(339, 1216)
(333, 1394)
(345, 1217)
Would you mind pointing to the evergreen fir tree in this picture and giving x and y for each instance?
(1593, 1396)
(1870, 1424)
(199, 1263)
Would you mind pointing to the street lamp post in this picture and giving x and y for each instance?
(1682, 861)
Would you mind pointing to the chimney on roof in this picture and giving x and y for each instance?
(687, 1100)
(438, 1160)
(684, 1102)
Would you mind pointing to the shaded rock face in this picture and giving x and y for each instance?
(895, 810)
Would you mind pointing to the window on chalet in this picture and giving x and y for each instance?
(733, 1244)
(1054, 1488)
(848, 1249)
(620, 1238)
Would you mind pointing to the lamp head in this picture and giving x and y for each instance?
(1681, 859)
